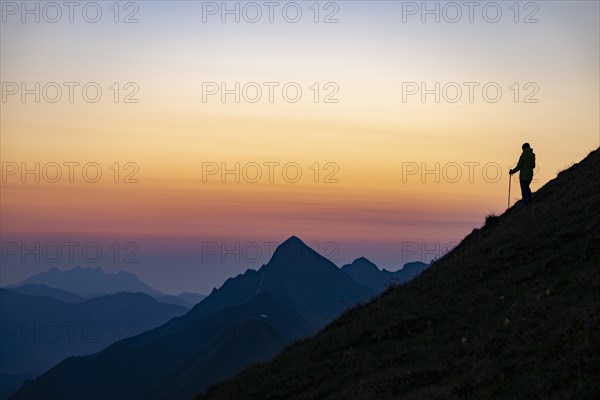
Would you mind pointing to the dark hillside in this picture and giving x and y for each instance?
(513, 312)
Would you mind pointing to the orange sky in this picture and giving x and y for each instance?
(361, 145)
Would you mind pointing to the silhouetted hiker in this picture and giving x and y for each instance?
(526, 165)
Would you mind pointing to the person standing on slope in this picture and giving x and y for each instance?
(526, 165)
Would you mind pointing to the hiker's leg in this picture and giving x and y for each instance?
(529, 195)
(525, 192)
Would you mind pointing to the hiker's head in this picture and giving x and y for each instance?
(525, 146)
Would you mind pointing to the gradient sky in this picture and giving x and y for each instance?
(366, 141)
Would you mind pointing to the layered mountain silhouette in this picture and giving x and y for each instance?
(366, 273)
(90, 282)
(191, 298)
(43, 290)
(299, 275)
(79, 284)
(512, 312)
(38, 331)
(176, 300)
(250, 318)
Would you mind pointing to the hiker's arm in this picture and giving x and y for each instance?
(518, 167)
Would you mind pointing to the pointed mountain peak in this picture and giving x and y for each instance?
(364, 261)
(293, 250)
(292, 241)
(362, 264)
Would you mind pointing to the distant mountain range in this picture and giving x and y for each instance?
(91, 282)
(78, 284)
(38, 331)
(366, 273)
(41, 324)
(31, 289)
(250, 318)
(191, 298)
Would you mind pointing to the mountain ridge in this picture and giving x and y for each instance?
(40, 331)
(297, 279)
(368, 274)
(44, 290)
(90, 282)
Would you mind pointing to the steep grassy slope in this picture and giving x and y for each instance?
(513, 312)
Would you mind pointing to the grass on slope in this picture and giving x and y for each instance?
(513, 312)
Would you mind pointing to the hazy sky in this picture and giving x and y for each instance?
(382, 129)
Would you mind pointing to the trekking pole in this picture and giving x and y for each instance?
(509, 182)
